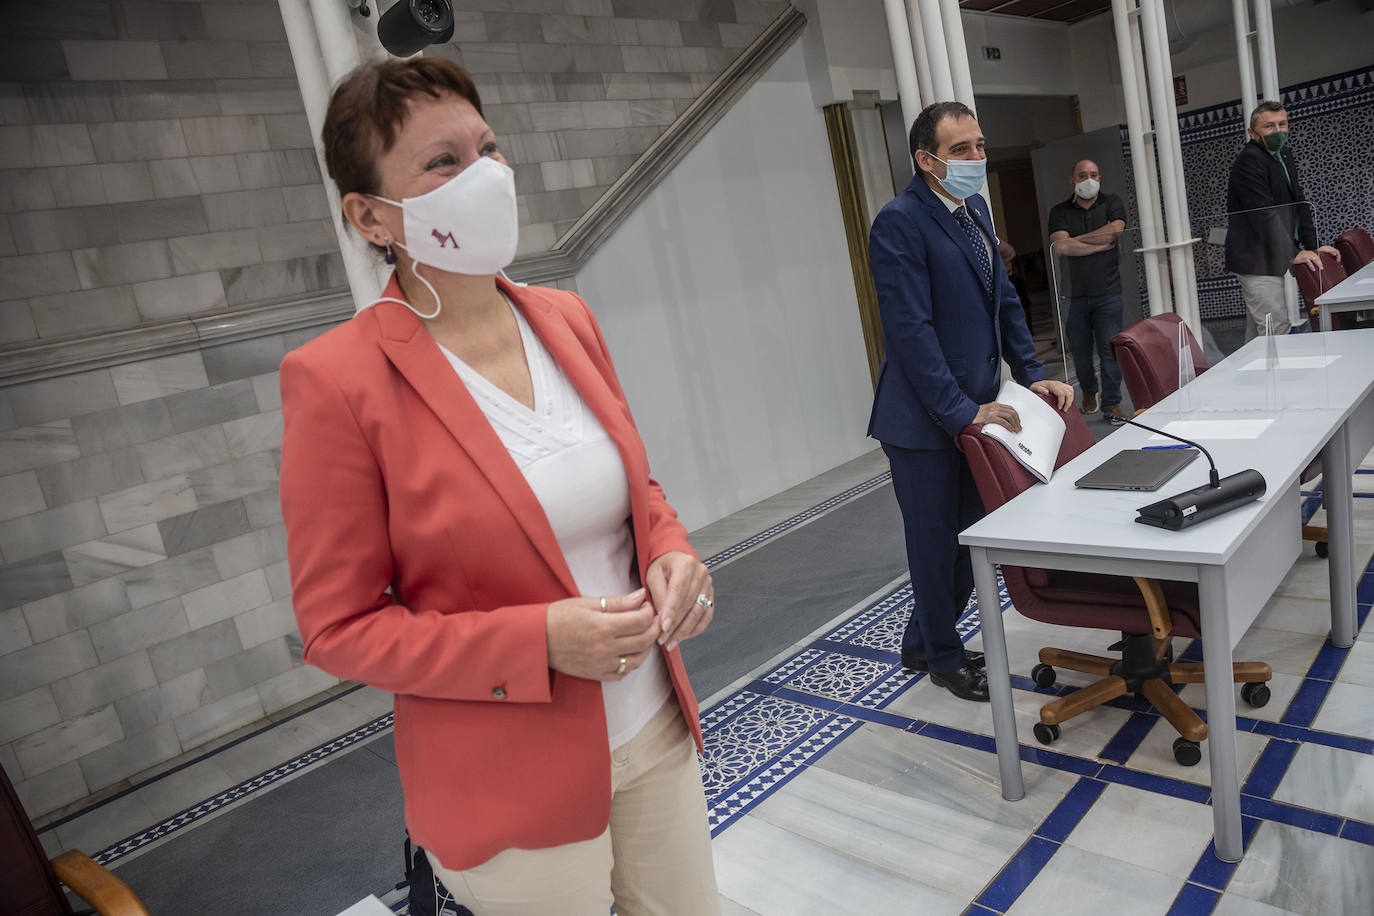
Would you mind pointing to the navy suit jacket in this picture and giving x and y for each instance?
(944, 333)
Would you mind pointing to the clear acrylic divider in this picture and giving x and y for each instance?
(1196, 276)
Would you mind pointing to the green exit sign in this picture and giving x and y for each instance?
(991, 53)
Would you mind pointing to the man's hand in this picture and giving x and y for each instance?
(1327, 249)
(1057, 390)
(1310, 259)
(1001, 414)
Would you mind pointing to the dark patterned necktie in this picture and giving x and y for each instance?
(980, 248)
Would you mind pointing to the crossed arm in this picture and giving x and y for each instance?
(1103, 238)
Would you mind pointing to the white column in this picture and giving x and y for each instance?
(937, 52)
(1142, 159)
(335, 33)
(1160, 72)
(1244, 59)
(364, 274)
(908, 87)
(1264, 44)
(918, 46)
(959, 72)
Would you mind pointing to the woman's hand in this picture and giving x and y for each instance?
(601, 645)
(675, 581)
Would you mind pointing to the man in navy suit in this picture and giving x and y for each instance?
(950, 316)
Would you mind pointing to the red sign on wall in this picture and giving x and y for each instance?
(1181, 90)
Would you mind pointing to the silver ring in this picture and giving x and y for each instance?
(704, 602)
(620, 669)
(603, 602)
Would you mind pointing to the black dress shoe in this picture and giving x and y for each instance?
(968, 683)
(916, 661)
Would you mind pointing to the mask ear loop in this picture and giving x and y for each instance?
(415, 269)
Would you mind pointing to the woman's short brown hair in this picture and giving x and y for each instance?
(367, 110)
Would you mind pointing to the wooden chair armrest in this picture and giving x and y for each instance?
(1161, 622)
(96, 885)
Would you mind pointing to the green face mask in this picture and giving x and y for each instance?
(1275, 141)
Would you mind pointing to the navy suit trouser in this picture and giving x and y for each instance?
(938, 499)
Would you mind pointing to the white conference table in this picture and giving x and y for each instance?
(1237, 559)
(1354, 293)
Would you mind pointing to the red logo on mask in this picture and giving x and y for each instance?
(442, 238)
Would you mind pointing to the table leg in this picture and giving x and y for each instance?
(999, 675)
(1324, 319)
(1338, 495)
(1221, 715)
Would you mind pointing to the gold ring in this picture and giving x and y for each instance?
(620, 669)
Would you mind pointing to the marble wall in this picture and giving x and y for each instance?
(576, 90)
(155, 162)
(144, 574)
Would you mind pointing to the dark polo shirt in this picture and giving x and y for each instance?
(1091, 274)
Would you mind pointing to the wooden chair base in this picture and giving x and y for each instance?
(1110, 686)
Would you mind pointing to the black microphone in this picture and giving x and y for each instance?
(1219, 495)
(1215, 481)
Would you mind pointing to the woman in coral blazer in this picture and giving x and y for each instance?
(423, 562)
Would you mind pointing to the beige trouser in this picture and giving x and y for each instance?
(1264, 298)
(653, 860)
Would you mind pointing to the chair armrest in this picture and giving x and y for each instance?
(96, 885)
(1160, 620)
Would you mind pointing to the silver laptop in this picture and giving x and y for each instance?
(1137, 469)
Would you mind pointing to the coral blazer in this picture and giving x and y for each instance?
(422, 564)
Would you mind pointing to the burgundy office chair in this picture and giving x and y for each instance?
(1312, 283)
(1356, 247)
(29, 881)
(1149, 613)
(1147, 353)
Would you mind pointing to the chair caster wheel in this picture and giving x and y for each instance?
(1322, 549)
(1186, 752)
(1043, 675)
(1046, 734)
(1257, 694)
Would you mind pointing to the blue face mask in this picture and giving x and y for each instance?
(963, 177)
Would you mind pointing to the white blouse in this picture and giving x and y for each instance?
(577, 475)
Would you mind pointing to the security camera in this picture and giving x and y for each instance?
(412, 25)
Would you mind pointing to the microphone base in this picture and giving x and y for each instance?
(1183, 510)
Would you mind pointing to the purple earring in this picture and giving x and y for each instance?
(390, 255)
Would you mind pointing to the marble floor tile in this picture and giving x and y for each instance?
(1156, 755)
(1359, 663)
(1076, 882)
(926, 841)
(1147, 829)
(1330, 779)
(954, 777)
(1348, 710)
(1282, 689)
(1235, 905)
(729, 907)
(1084, 736)
(175, 792)
(1025, 639)
(107, 824)
(1297, 615)
(1285, 651)
(1310, 576)
(1305, 871)
(775, 872)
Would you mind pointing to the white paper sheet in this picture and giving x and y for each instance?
(1290, 362)
(1042, 430)
(368, 906)
(1215, 429)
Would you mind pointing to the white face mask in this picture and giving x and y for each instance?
(467, 225)
(1086, 189)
